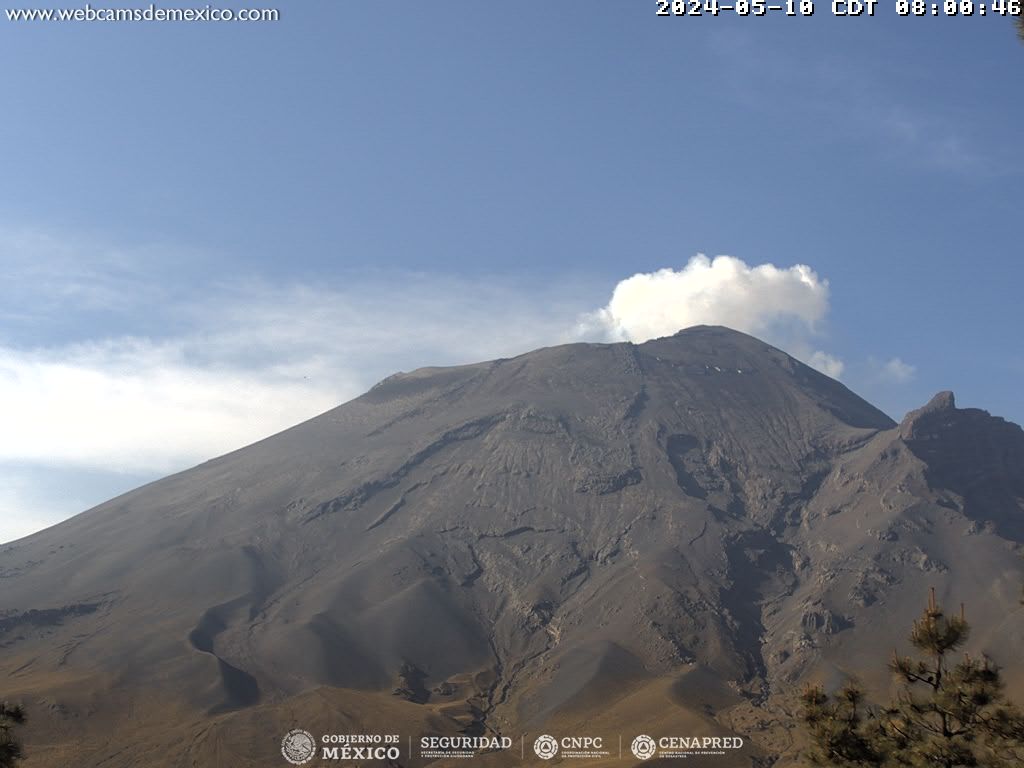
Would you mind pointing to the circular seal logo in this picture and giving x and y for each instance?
(298, 746)
(546, 747)
(643, 747)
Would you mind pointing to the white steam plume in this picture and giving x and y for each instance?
(782, 305)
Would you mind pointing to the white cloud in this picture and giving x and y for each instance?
(16, 524)
(719, 291)
(897, 371)
(20, 505)
(784, 305)
(826, 363)
(131, 405)
(256, 360)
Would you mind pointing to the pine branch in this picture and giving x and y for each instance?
(946, 714)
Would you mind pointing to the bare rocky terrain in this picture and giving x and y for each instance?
(669, 537)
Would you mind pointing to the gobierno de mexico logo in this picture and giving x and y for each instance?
(298, 746)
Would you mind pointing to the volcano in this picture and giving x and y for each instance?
(592, 539)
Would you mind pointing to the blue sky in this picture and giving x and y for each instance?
(211, 231)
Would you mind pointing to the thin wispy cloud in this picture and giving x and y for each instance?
(131, 405)
(893, 371)
(28, 502)
(864, 112)
(255, 359)
(933, 142)
(828, 364)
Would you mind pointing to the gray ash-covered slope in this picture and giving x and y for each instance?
(504, 546)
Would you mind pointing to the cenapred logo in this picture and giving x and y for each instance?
(546, 747)
(643, 747)
(298, 746)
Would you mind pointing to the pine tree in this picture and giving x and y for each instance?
(946, 714)
(842, 731)
(10, 749)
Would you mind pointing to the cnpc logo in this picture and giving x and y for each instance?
(546, 747)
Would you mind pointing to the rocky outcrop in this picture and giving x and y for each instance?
(973, 454)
